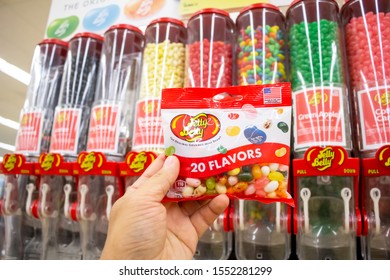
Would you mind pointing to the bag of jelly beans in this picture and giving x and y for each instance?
(232, 140)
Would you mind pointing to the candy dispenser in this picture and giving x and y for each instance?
(17, 226)
(376, 205)
(163, 67)
(366, 26)
(69, 132)
(111, 121)
(317, 64)
(261, 230)
(99, 187)
(36, 118)
(55, 175)
(261, 45)
(326, 218)
(209, 52)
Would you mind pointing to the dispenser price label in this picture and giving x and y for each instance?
(374, 116)
(29, 134)
(66, 130)
(103, 135)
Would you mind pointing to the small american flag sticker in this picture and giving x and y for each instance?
(272, 95)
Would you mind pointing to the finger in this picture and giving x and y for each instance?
(156, 187)
(190, 207)
(149, 172)
(205, 216)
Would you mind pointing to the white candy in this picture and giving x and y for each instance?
(220, 188)
(265, 170)
(271, 186)
(274, 166)
(187, 191)
(250, 190)
(200, 191)
(193, 182)
(232, 180)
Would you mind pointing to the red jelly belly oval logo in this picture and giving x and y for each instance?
(326, 158)
(199, 128)
(383, 156)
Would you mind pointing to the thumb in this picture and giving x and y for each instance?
(156, 187)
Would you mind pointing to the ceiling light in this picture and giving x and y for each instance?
(9, 123)
(14, 72)
(7, 147)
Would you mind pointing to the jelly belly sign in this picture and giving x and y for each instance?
(68, 17)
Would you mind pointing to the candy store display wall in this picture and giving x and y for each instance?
(286, 110)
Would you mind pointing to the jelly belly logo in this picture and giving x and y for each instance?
(48, 161)
(383, 156)
(138, 162)
(382, 99)
(317, 98)
(199, 128)
(325, 158)
(89, 161)
(11, 161)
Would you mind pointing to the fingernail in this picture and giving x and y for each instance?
(169, 161)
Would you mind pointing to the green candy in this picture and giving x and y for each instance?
(62, 27)
(245, 177)
(222, 149)
(283, 127)
(170, 151)
(211, 183)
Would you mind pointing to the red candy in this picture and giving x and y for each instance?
(209, 64)
(368, 48)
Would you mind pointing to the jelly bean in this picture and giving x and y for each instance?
(163, 67)
(210, 183)
(249, 111)
(199, 191)
(101, 18)
(261, 193)
(222, 149)
(281, 152)
(209, 64)
(193, 182)
(240, 187)
(271, 186)
(273, 166)
(283, 127)
(316, 55)
(187, 191)
(233, 116)
(234, 171)
(62, 27)
(222, 180)
(232, 180)
(256, 171)
(267, 124)
(250, 190)
(263, 61)
(221, 189)
(233, 130)
(272, 195)
(170, 151)
(275, 176)
(265, 170)
(255, 135)
(245, 177)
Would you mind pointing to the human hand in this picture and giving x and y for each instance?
(141, 227)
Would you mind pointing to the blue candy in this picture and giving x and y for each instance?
(101, 18)
(255, 135)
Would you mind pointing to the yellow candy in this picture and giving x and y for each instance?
(256, 171)
(281, 152)
(232, 130)
(234, 172)
(275, 176)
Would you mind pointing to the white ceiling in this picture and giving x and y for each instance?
(22, 26)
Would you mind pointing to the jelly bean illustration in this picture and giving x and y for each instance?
(222, 149)
(62, 27)
(281, 152)
(255, 135)
(249, 111)
(233, 116)
(101, 18)
(232, 130)
(170, 151)
(142, 8)
(283, 127)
